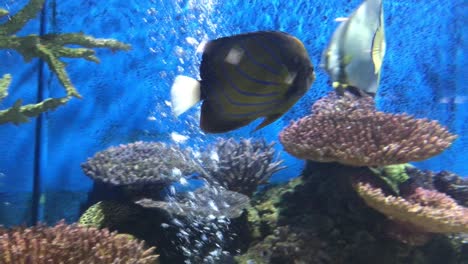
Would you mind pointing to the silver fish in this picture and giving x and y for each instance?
(356, 51)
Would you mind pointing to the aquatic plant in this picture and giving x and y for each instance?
(50, 48)
(139, 164)
(71, 244)
(350, 131)
(241, 166)
(420, 210)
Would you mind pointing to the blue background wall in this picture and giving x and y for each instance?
(125, 96)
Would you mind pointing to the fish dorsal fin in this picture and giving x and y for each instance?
(378, 42)
(378, 49)
(268, 120)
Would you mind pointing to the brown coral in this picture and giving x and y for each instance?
(70, 244)
(140, 163)
(241, 166)
(288, 245)
(350, 131)
(427, 210)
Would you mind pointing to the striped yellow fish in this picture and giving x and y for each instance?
(245, 77)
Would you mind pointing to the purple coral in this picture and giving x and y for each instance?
(140, 163)
(71, 244)
(350, 131)
(241, 166)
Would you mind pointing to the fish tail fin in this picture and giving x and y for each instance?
(185, 93)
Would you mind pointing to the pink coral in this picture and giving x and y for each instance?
(350, 131)
(71, 244)
(426, 210)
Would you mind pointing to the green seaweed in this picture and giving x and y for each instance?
(393, 175)
(50, 48)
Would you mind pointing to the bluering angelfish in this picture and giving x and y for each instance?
(355, 53)
(244, 77)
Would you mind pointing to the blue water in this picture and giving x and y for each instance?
(125, 96)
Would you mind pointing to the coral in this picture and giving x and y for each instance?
(203, 202)
(444, 181)
(427, 210)
(263, 212)
(241, 166)
(3, 12)
(323, 210)
(140, 163)
(350, 131)
(393, 175)
(407, 233)
(453, 185)
(70, 244)
(106, 214)
(421, 178)
(287, 246)
(4, 83)
(50, 48)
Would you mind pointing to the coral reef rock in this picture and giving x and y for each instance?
(319, 218)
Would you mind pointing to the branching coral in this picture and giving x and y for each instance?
(241, 166)
(3, 12)
(426, 210)
(71, 244)
(4, 83)
(50, 48)
(203, 202)
(350, 131)
(140, 163)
